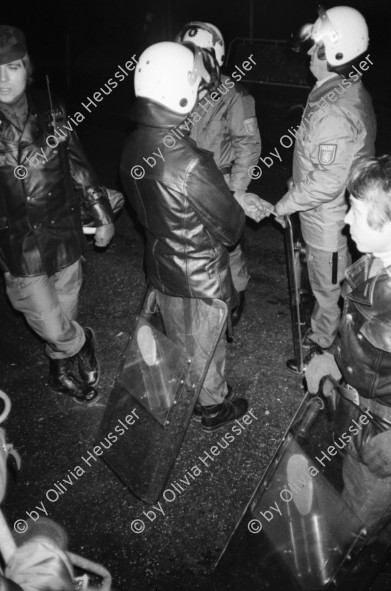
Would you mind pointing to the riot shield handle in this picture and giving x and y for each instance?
(313, 407)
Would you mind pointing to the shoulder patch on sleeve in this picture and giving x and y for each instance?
(251, 125)
(327, 153)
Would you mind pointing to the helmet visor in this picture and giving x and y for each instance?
(323, 27)
(199, 71)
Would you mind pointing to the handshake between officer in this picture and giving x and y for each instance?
(253, 206)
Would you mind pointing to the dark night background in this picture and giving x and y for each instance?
(80, 45)
(88, 39)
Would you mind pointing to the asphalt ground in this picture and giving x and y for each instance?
(180, 544)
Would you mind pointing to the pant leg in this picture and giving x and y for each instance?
(187, 324)
(327, 312)
(214, 389)
(45, 309)
(68, 284)
(238, 266)
(237, 261)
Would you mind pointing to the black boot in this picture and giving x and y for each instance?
(220, 415)
(197, 411)
(239, 309)
(62, 379)
(88, 364)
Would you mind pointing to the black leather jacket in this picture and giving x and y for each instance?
(40, 226)
(364, 353)
(189, 214)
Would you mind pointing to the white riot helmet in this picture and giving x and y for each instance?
(206, 36)
(342, 30)
(169, 74)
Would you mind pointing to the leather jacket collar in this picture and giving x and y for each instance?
(361, 278)
(38, 118)
(146, 112)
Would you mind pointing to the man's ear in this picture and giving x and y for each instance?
(321, 52)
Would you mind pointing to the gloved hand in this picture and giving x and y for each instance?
(104, 234)
(39, 564)
(280, 219)
(254, 207)
(377, 454)
(320, 365)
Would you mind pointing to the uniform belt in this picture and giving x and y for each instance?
(382, 411)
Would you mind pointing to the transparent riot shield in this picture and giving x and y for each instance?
(301, 298)
(299, 531)
(149, 409)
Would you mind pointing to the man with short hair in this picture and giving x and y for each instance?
(41, 237)
(362, 352)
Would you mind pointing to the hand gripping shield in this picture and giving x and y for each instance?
(156, 389)
(299, 530)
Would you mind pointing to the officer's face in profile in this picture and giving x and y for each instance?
(318, 62)
(13, 79)
(367, 239)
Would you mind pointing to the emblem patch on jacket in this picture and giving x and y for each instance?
(327, 153)
(250, 125)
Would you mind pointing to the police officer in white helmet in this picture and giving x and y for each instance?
(227, 127)
(338, 128)
(187, 232)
